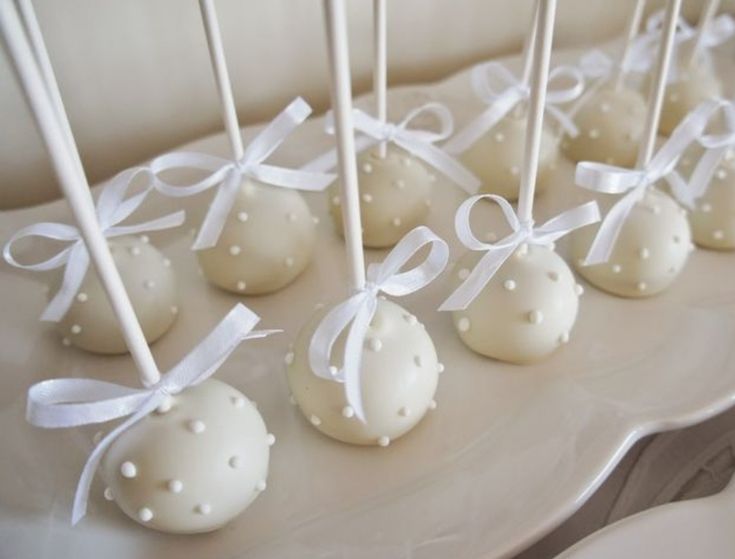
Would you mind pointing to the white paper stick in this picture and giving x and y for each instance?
(222, 77)
(658, 86)
(529, 45)
(380, 65)
(539, 80)
(339, 63)
(705, 19)
(633, 26)
(75, 186)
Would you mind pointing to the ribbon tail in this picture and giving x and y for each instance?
(442, 162)
(566, 123)
(164, 222)
(219, 209)
(607, 235)
(326, 334)
(353, 357)
(76, 269)
(465, 138)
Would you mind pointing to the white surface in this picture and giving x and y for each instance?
(697, 528)
(509, 453)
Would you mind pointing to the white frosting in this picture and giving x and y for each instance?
(497, 157)
(194, 464)
(149, 279)
(694, 84)
(399, 378)
(267, 241)
(395, 196)
(610, 126)
(713, 219)
(527, 309)
(650, 251)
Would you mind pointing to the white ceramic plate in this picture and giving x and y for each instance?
(696, 528)
(509, 454)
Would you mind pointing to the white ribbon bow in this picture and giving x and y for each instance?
(112, 208)
(497, 253)
(227, 174)
(610, 179)
(356, 312)
(501, 102)
(72, 402)
(420, 143)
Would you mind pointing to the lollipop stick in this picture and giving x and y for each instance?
(705, 19)
(380, 68)
(74, 185)
(222, 76)
(529, 46)
(634, 23)
(337, 47)
(539, 79)
(658, 86)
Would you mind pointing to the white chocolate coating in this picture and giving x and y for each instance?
(399, 379)
(713, 219)
(650, 251)
(527, 309)
(266, 243)
(497, 157)
(194, 464)
(149, 279)
(395, 196)
(693, 85)
(610, 127)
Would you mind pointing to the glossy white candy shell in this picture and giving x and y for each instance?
(713, 219)
(395, 196)
(496, 158)
(150, 281)
(650, 251)
(193, 466)
(525, 312)
(693, 85)
(267, 241)
(610, 127)
(399, 378)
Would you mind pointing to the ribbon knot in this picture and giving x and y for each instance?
(355, 313)
(501, 101)
(112, 208)
(634, 183)
(496, 253)
(418, 142)
(226, 174)
(72, 402)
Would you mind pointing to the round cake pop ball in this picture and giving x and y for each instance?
(265, 244)
(194, 464)
(650, 251)
(90, 322)
(713, 219)
(399, 378)
(497, 157)
(610, 128)
(526, 310)
(694, 84)
(395, 196)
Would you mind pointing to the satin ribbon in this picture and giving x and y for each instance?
(355, 313)
(610, 179)
(498, 252)
(511, 93)
(112, 208)
(418, 142)
(72, 402)
(227, 174)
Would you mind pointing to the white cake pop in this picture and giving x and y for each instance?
(694, 84)
(610, 127)
(651, 249)
(149, 279)
(713, 217)
(399, 378)
(192, 465)
(395, 196)
(266, 242)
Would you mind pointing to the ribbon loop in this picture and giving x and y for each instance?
(71, 402)
(355, 313)
(496, 253)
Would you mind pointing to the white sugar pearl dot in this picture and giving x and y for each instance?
(718, 234)
(721, 174)
(82, 297)
(260, 486)
(644, 253)
(367, 168)
(145, 514)
(535, 317)
(463, 274)
(554, 276)
(515, 170)
(383, 441)
(335, 200)
(464, 324)
(396, 221)
(234, 462)
(242, 217)
(128, 470)
(197, 426)
(290, 216)
(174, 309)
(616, 268)
(375, 344)
(315, 421)
(440, 368)
(334, 371)
(204, 508)
(499, 137)
(348, 412)
(564, 338)
(166, 405)
(522, 250)
(149, 284)
(108, 494)
(76, 329)
(404, 412)
(641, 286)
(235, 250)
(135, 251)
(241, 285)
(594, 133)
(65, 342)
(706, 208)
(316, 220)
(578, 289)
(145, 239)
(406, 161)
(288, 358)
(367, 198)
(605, 107)
(175, 486)
(432, 405)
(399, 184)
(167, 262)
(270, 439)
(289, 262)
(509, 285)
